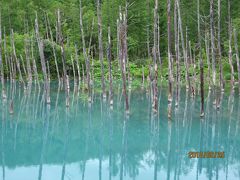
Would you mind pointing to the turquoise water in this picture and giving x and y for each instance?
(94, 142)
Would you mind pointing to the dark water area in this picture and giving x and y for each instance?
(94, 142)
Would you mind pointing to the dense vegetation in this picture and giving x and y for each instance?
(17, 14)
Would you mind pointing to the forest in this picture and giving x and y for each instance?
(191, 43)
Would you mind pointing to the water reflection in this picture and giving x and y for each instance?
(95, 141)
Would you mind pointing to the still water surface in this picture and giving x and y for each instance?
(95, 142)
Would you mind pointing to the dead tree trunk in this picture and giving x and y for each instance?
(155, 79)
(148, 32)
(85, 52)
(122, 52)
(27, 55)
(237, 57)
(109, 52)
(66, 78)
(16, 59)
(100, 45)
(1, 61)
(176, 27)
(170, 78)
(208, 59)
(54, 50)
(183, 46)
(230, 44)
(78, 67)
(8, 66)
(213, 43)
(219, 47)
(201, 62)
(34, 63)
(43, 62)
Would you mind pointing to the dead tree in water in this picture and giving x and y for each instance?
(16, 59)
(66, 78)
(183, 46)
(230, 45)
(87, 62)
(109, 53)
(155, 79)
(122, 52)
(201, 62)
(176, 27)
(237, 57)
(213, 43)
(170, 78)
(1, 61)
(219, 47)
(43, 62)
(53, 48)
(100, 45)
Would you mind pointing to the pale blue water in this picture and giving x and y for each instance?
(93, 142)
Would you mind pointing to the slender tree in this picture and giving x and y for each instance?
(1, 60)
(230, 44)
(155, 32)
(100, 45)
(237, 57)
(219, 47)
(201, 61)
(169, 51)
(43, 62)
(84, 50)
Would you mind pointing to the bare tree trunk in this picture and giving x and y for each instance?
(230, 45)
(219, 47)
(85, 52)
(170, 78)
(54, 50)
(43, 63)
(27, 55)
(183, 46)
(213, 42)
(176, 27)
(34, 64)
(155, 83)
(237, 57)
(158, 47)
(201, 62)
(23, 65)
(1, 62)
(123, 51)
(110, 66)
(8, 65)
(208, 59)
(16, 59)
(66, 78)
(100, 45)
(78, 67)
(148, 32)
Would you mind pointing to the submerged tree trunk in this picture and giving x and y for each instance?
(219, 47)
(170, 78)
(100, 46)
(237, 57)
(16, 59)
(43, 62)
(122, 52)
(53, 48)
(110, 66)
(201, 62)
(155, 79)
(213, 42)
(1, 61)
(230, 45)
(85, 52)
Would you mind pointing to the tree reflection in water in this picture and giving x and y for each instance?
(96, 141)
